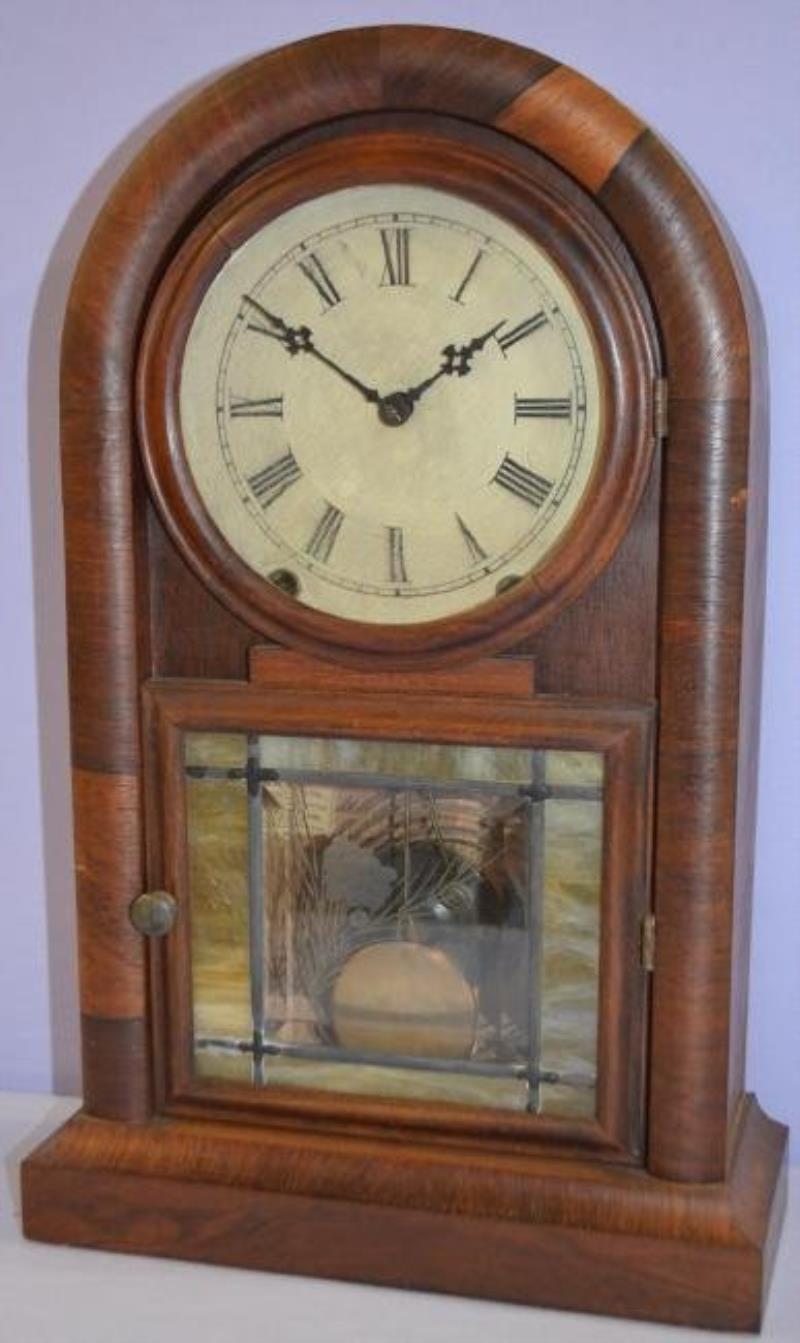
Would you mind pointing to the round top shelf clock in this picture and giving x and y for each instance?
(414, 465)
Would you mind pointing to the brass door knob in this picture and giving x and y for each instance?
(153, 913)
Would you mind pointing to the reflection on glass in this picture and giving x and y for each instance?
(396, 918)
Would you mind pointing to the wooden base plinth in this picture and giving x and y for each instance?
(537, 1231)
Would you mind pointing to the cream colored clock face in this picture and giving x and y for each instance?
(390, 403)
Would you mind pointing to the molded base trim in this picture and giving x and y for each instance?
(632, 1245)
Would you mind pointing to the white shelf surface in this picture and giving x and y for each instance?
(53, 1294)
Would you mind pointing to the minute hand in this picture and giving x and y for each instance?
(300, 339)
(368, 393)
(456, 359)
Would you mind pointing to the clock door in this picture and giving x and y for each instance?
(416, 913)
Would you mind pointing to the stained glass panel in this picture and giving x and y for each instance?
(396, 918)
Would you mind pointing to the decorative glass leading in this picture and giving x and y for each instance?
(396, 918)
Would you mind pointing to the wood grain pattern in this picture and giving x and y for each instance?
(673, 234)
(711, 610)
(207, 640)
(109, 865)
(283, 670)
(415, 1216)
(112, 962)
(575, 122)
(463, 74)
(106, 604)
(116, 1067)
(605, 642)
(697, 795)
(753, 501)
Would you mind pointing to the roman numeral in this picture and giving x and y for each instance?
(313, 269)
(522, 482)
(269, 483)
(271, 406)
(525, 328)
(542, 407)
(476, 550)
(476, 260)
(397, 562)
(323, 537)
(396, 256)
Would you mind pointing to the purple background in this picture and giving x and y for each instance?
(81, 86)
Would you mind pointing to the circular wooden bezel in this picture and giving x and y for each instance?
(518, 184)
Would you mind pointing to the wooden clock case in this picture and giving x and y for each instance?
(669, 1208)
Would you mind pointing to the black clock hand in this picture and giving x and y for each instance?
(300, 339)
(398, 407)
(456, 359)
(394, 409)
(368, 393)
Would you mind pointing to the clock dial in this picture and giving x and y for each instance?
(390, 403)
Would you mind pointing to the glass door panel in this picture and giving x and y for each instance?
(396, 919)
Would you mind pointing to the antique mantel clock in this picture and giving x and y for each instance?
(414, 447)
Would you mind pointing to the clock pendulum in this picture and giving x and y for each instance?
(414, 448)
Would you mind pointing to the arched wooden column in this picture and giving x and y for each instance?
(710, 606)
(713, 491)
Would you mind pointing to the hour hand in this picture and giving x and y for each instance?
(456, 360)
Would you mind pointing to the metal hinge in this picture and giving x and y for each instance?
(660, 394)
(647, 942)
